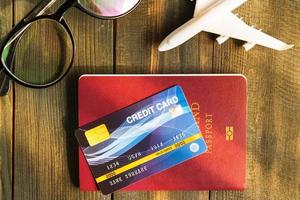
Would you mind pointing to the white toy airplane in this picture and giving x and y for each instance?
(215, 16)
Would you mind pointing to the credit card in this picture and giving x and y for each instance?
(141, 140)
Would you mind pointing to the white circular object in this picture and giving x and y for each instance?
(194, 147)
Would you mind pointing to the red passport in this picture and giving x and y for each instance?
(219, 105)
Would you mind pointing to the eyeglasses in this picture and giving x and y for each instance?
(56, 42)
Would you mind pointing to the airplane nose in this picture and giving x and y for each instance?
(163, 46)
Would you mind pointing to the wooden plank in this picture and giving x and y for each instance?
(139, 34)
(137, 39)
(274, 97)
(46, 159)
(188, 195)
(6, 116)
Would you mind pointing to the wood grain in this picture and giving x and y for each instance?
(139, 34)
(46, 159)
(6, 116)
(45, 150)
(273, 170)
(137, 40)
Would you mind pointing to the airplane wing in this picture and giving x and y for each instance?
(230, 25)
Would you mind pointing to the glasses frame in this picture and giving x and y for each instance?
(36, 14)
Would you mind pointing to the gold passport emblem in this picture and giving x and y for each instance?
(229, 133)
(97, 135)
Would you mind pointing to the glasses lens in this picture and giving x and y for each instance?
(108, 8)
(43, 53)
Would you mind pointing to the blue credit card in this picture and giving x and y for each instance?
(140, 140)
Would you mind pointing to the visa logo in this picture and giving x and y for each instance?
(229, 133)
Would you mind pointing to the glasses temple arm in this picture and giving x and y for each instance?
(36, 11)
(4, 79)
(39, 9)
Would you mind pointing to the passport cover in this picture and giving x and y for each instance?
(218, 103)
(141, 140)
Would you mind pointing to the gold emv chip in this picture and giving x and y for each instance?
(97, 135)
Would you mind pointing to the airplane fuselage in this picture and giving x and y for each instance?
(198, 23)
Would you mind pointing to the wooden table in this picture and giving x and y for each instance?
(38, 152)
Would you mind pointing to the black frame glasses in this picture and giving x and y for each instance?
(10, 41)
